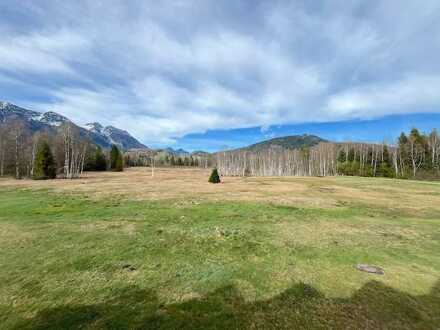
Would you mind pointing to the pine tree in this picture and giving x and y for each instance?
(214, 178)
(114, 152)
(100, 161)
(44, 164)
(116, 161)
(351, 155)
(119, 163)
(342, 157)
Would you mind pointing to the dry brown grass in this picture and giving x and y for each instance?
(64, 257)
(190, 186)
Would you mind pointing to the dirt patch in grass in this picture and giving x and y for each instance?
(14, 235)
(120, 226)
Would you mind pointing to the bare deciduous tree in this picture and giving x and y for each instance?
(434, 146)
(74, 152)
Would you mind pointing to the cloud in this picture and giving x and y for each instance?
(409, 95)
(165, 69)
(42, 53)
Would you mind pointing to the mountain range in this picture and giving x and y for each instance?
(50, 121)
(106, 136)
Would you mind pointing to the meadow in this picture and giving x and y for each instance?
(128, 250)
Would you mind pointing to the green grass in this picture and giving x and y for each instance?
(69, 261)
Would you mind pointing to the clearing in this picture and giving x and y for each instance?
(127, 250)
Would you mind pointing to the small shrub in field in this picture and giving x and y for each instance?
(214, 178)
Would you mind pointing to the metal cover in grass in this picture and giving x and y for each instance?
(370, 269)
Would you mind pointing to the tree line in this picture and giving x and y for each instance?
(66, 154)
(150, 158)
(415, 155)
(48, 154)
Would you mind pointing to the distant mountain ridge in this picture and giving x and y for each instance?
(115, 136)
(98, 134)
(176, 152)
(106, 136)
(286, 142)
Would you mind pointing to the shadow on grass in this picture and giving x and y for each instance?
(301, 306)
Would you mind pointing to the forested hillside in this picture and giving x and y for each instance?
(286, 142)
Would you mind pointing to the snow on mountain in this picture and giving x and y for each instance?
(8, 110)
(52, 118)
(35, 121)
(123, 138)
(94, 127)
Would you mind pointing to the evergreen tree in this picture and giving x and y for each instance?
(351, 155)
(342, 157)
(100, 161)
(386, 155)
(44, 164)
(116, 161)
(119, 163)
(403, 139)
(114, 154)
(214, 178)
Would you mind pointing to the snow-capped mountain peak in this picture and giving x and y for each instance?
(94, 127)
(120, 137)
(108, 130)
(52, 118)
(36, 121)
(4, 105)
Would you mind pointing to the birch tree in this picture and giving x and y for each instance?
(434, 147)
(74, 152)
(416, 150)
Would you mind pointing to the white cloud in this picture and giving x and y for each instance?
(165, 69)
(412, 94)
(42, 53)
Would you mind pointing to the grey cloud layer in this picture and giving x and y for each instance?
(165, 69)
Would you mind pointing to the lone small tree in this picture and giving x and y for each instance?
(44, 163)
(214, 178)
(116, 161)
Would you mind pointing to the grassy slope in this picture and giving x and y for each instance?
(64, 258)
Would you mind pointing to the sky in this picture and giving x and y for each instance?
(385, 129)
(215, 74)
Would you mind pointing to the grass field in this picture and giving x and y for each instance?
(127, 250)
